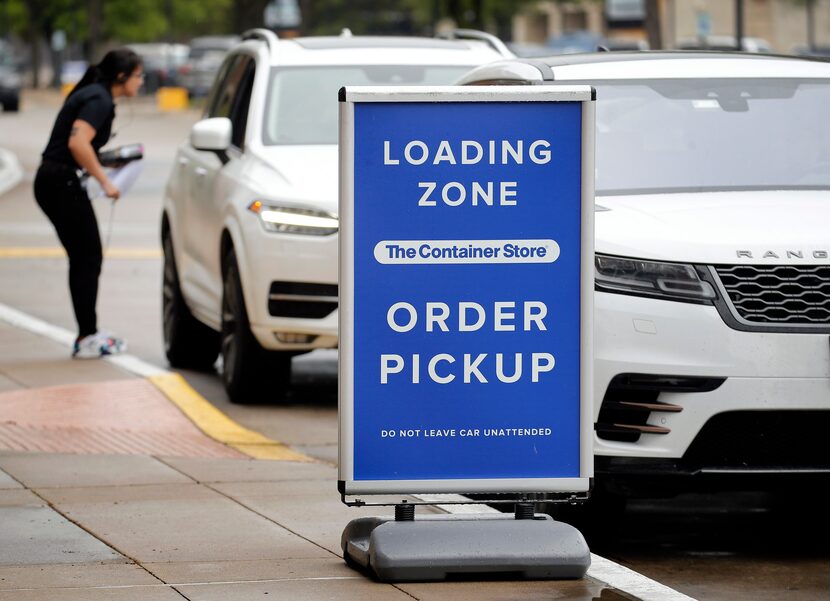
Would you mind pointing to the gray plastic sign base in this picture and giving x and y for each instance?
(432, 548)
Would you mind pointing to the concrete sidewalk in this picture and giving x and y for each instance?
(119, 482)
(132, 521)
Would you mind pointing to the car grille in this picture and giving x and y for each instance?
(779, 294)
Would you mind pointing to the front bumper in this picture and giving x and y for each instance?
(292, 282)
(637, 477)
(752, 380)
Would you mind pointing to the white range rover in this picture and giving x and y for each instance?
(249, 224)
(712, 267)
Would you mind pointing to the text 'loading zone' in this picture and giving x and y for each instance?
(464, 317)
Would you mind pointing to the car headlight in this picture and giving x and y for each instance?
(673, 281)
(290, 220)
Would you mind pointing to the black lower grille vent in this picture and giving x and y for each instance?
(762, 440)
(631, 398)
(302, 299)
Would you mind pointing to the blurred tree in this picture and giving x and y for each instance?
(95, 18)
(166, 20)
(248, 14)
(96, 23)
(37, 20)
(653, 19)
(499, 16)
(15, 17)
(92, 23)
(406, 16)
(199, 17)
(329, 17)
(134, 20)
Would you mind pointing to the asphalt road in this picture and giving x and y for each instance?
(724, 547)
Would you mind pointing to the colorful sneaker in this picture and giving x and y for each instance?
(97, 345)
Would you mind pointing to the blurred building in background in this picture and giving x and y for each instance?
(786, 26)
(50, 42)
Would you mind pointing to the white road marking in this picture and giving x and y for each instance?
(631, 582)
(36, 326)
(10, 170)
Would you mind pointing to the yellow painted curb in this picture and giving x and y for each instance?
(54, 252)
(219, 426)
(273, 450)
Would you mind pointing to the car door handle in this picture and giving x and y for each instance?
(200, 171)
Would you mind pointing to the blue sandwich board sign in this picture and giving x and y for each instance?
(466, 286)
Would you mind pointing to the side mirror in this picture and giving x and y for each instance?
(212, 135)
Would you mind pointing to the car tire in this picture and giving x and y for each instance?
(250, 374)
(188, 343)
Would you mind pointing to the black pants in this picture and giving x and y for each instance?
(65, 202)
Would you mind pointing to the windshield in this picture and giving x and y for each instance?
(698, 135)
(302, 102)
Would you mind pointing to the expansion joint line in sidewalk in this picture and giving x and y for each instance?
(267, 518)
(108, 544)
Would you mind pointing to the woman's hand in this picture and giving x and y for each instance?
(111, 190)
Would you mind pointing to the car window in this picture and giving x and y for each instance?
(239, 115)
(226, 92)
(302, 102)
(217, 89)
(697, 135)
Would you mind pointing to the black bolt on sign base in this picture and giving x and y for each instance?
(525, 511)
(404, 512)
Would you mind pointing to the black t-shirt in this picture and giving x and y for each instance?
(93, 104)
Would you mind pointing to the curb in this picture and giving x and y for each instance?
(211, 421)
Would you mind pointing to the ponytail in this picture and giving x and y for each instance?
(121, 62)
(92, 74)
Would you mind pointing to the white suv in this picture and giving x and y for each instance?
(712, 264)
(249, 227)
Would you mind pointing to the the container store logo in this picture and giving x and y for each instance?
(421, 252)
